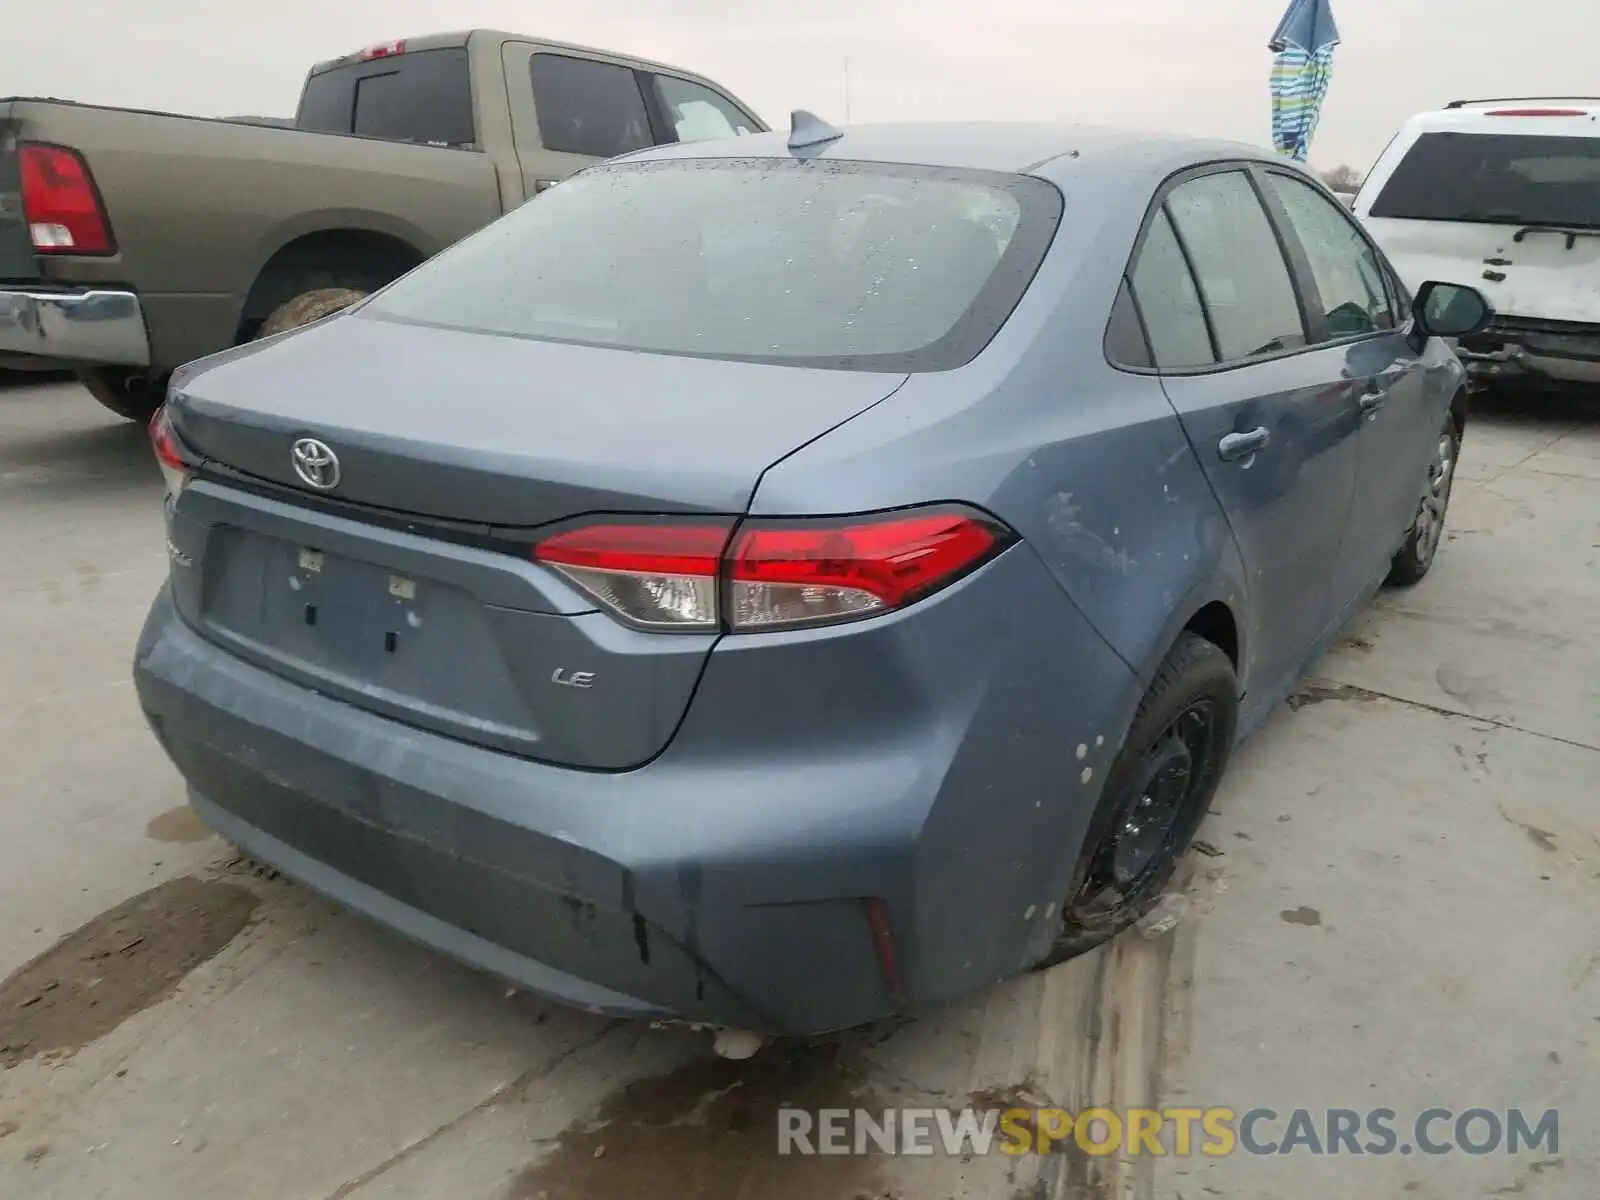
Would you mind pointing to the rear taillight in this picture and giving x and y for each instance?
(383, 50)
(177, 465)
(772, 574)
(61, 204)
(656, 575)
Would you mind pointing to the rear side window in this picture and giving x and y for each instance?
(1244, 281)
(1125, 342)
(840, 265)
(326, 102)
(587, 107)
(1347, 272)
(424, 96)
(1504, 179)
(1169, 302)
(699, 114)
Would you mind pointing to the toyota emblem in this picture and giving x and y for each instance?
(315, 463)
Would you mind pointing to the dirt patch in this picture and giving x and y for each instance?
(178, 825)
(118, 964)
(1315, 693)
(709, 1131)
(1301, 916)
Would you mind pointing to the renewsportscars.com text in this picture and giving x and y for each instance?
(1180, 1132)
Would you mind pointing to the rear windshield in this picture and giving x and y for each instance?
(811, 263)
(424, 96)
(1498, 179)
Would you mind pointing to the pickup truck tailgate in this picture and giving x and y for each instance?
(16, 247)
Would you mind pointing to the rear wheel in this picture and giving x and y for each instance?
(308, 307)
(1427, 527)
(131, 397)
(1155, 795)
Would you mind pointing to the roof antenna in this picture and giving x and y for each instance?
(808, 129)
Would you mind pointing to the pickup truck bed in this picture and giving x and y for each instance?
(199, 207)
(132, 242)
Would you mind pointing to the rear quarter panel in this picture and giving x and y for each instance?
(199, 206)
(1092, 468)
(1089, 464)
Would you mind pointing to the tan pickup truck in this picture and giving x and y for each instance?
(132, 242)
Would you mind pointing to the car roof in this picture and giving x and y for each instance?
(1049, 150)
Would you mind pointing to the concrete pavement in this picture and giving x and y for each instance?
(1396, 909)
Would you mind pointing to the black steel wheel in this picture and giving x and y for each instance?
(1155, 797)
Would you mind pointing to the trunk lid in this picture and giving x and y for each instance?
(407, 589)
(506, 431)
(16, 245)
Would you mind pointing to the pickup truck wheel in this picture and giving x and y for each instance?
(308, 307)
(131, 397)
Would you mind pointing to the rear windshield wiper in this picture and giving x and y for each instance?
(1571, 232)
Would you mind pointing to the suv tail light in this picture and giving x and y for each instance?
(59, 198)
(383, 50)
(772, 574)
(177, 464)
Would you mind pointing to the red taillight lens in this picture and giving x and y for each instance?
(176, 465)
(805, 572)
(660, 575)
(671, 575)
(383, 50)
(58, 196)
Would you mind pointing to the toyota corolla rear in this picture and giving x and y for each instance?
(468, 625)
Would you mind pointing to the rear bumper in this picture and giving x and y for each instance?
(725, 881)
(96, 326)
(1521, 350)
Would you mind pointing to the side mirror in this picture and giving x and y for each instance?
(1450, 310)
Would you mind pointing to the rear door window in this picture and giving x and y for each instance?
(1503, 179)
(424, 96)
(587, 107)
(1244, 280)
(697, 113)
(1346, 269)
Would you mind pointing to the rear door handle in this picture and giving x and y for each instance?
(1242, 445)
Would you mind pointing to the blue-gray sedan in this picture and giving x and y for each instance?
(781, 584)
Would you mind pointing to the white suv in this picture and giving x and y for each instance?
(1503, 195)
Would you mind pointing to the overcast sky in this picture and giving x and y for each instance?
(908, 59)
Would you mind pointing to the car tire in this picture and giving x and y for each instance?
(1163, 777)
(1426, 534)
(308, 307)
(131, 397)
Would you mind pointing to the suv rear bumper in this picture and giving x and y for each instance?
(98, 326)
(1524, 350)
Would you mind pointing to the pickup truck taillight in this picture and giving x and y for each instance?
(696, 576)
(62, 206)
